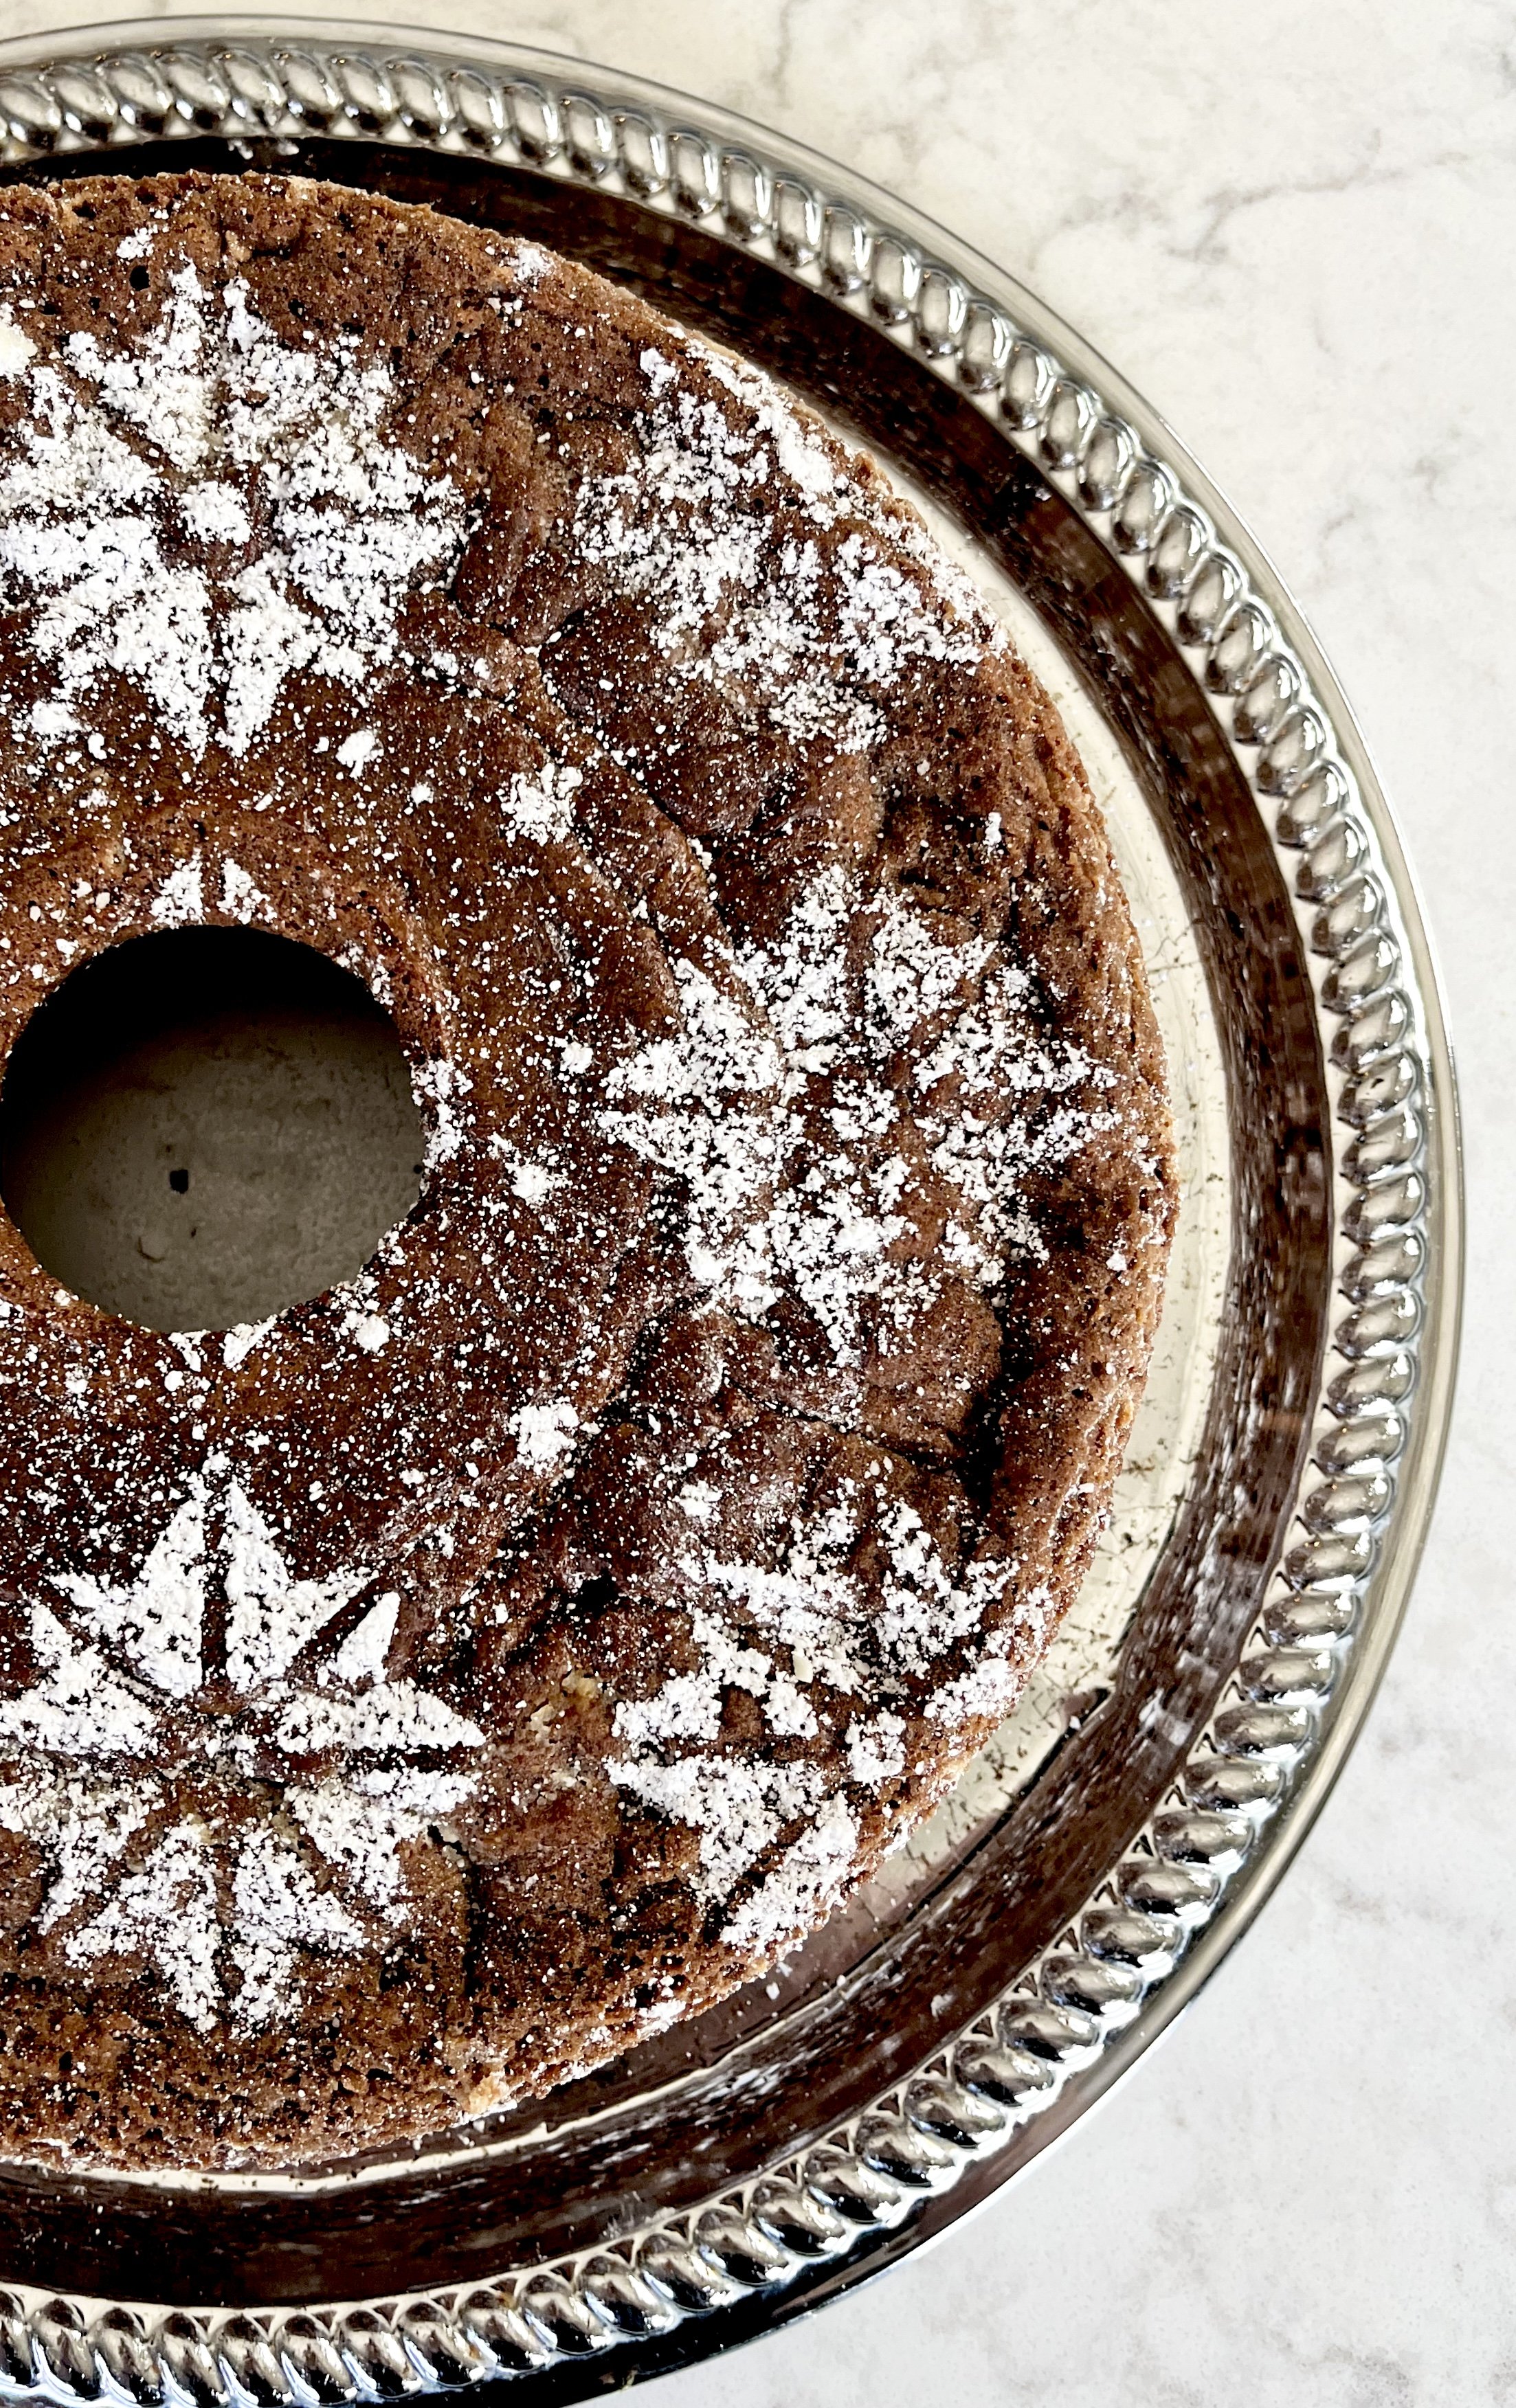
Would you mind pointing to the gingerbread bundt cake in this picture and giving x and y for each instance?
(409, 1702)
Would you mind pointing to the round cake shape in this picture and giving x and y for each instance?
(411, 1701)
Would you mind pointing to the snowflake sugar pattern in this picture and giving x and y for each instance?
(261, 525)
(141, 1808)
(690, 529)
(800, 1184)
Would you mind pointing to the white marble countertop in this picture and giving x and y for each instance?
(1291, 224)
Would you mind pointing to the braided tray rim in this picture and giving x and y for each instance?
(1190, 1881)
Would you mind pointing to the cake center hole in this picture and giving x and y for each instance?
(202, 1128)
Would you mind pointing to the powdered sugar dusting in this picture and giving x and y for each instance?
(280, 1911)
(794, 1189)
(541, 806)
(180, 901)
(840, 1633)
(229, 1916)
(241, 898)
(271, 1614)
(237, 430)
(155, 1620)
(544, 1434)
(805, 1885)
(79, 1705)
(244, 1338)
(391, 1715)
(166, 1915)
(356, 751)
(440, 1087)
(17, 348)
(717, 529)
(738, 1807)
(362, 1655)
(360, 1824)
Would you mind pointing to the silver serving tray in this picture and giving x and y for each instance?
(1109, 1846)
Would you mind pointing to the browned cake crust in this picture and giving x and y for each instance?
(410, 1703)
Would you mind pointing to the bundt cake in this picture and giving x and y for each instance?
(409, 1702)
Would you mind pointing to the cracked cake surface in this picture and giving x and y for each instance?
(412, 1700)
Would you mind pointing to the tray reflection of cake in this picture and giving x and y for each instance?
(410, 1700)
